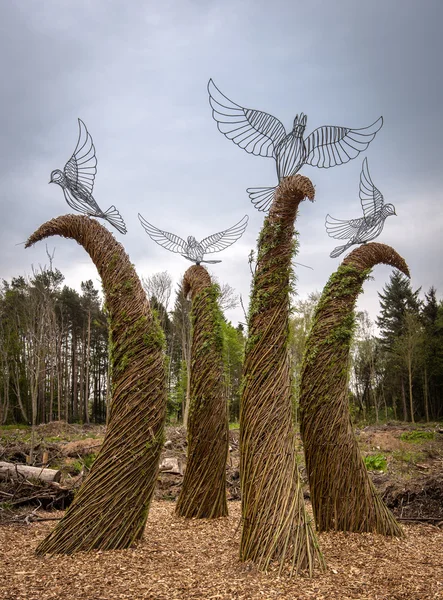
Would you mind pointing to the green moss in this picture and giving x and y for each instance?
(115, 259)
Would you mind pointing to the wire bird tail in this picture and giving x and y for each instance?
(114, 217)
(261, 198)
(338, 250)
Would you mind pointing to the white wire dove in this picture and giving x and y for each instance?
(77, 181)
(366, 228)
(262, 134)
(192, 249)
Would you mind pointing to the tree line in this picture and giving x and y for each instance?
(54, 351)
(397, 372)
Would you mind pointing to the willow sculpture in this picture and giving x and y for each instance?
(276, 526)
(342, 494)
(111, 507)
(203, 494)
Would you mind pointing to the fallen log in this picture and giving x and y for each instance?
(17, 471)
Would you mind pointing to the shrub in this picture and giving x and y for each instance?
(376, 462)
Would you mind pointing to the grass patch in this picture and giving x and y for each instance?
(407, 456)
(416, 436)
(376, 462)
(234, 425)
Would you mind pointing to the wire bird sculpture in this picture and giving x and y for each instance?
(366, 228)
(262, 134)
(193, 250)
(77, 181)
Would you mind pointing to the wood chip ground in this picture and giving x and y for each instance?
(179, 559)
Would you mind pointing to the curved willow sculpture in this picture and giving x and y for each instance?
(275, 523)
(203, 494)
(111, 507)
(342, 494)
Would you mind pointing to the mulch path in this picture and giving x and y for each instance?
(179, 559)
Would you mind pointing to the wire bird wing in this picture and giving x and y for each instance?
(219, 241)
(342, 230)
(170, 241)
(370, 197)
(81, 168)
(256, 132)
(331, 146)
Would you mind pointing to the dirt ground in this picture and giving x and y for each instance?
(180, 559)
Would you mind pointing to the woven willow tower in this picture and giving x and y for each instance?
(342, 494)
(111, 507)
(276, 526)
(203, 494)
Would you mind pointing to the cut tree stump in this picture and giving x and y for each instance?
(16, 471)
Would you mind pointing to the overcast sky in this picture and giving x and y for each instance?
(136, 73)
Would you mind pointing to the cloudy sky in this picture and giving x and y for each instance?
(136, 73)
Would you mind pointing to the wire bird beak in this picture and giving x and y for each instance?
(50, 181)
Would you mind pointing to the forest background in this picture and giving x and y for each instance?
(54, 351)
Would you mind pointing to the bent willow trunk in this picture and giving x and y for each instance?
(203, 494)
(342, 494)
(111, 507)
(276, 526)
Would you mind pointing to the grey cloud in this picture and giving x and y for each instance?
(137, 73)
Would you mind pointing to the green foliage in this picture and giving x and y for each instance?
(376, 462)
(85, 462)
(233, 353)
(417, 436)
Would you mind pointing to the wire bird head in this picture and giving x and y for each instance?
(192, 249)
(300, 125)
(57, 177)
(388, 210)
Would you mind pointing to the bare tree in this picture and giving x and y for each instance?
(159, 286)
(228, 299)
(407, 350)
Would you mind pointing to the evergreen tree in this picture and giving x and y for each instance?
(397, 298)
(433, 355)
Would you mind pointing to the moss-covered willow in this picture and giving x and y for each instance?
(342, 494)
(111, 507)
(276, 526)
(203, 494)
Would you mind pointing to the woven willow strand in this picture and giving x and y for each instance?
(276, 526)
(342, 494)
(203, 494)
(111, 507)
